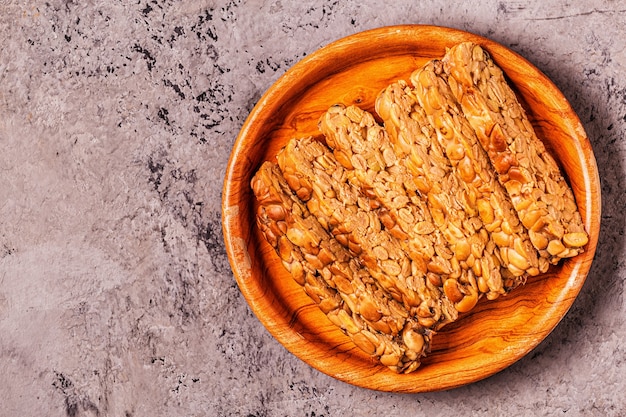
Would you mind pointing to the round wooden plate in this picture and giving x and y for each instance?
(354, 70)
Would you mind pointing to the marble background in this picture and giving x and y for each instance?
(116, 122)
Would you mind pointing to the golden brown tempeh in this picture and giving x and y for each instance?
(396, 230)
(329, 278)
(309, 164)
(372, 165)
(543, 200)
(414, 141)
(470, 161)
(338, 268)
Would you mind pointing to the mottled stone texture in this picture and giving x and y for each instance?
(116, 123)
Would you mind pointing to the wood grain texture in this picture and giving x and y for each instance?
(353, 70)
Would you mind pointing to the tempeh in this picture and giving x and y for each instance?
(308, 253)
(470, 161)
(452, 210)
(363, 147)
(340, 270)
(312, 172)
(543, 200)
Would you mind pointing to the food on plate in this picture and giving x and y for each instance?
(397, 229)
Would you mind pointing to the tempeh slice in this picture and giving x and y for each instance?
(416, 146)
(308, 253)
(470, 161)
(363, 147)
(314, 174)
(539, 192)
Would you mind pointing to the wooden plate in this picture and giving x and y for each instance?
(353, 70)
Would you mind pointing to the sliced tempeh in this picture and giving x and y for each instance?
(363, 147)
(543, 199)
(338, 268)
(332, 281)
(453, 211)
(312, 171)
(470, 161)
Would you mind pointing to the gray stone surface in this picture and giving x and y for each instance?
(116, 122)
